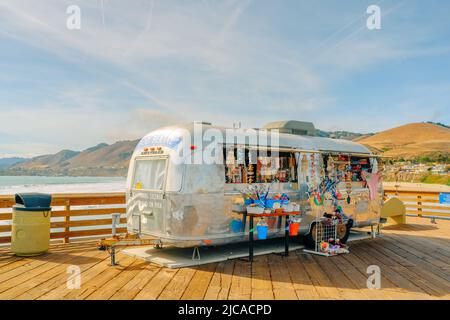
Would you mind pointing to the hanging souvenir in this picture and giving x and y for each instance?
(250, 173)
(240, 155)
(230, 156)
(348, 188)
(372, 180)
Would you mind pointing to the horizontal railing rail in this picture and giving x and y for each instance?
(420, 203)
(73, 215)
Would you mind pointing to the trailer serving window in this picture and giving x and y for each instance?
(346, 167)
(249, 166)
(150, 174)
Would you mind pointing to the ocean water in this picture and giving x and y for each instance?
(18, 184)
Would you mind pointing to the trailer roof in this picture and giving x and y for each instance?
(286, 140)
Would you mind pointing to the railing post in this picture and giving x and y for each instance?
(419, 205)
(67, 222)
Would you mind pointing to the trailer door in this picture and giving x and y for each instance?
(147, 201)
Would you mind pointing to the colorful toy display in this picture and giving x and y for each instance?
(257, 201)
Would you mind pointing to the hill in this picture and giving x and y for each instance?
(101, 160)
(346, 135)
(5, 163)
(411, 141)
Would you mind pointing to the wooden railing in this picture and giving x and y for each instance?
(420, 203)
(83, 215)
(73, 215)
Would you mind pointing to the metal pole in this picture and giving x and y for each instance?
(115, 222)
(286, 236)
(113, 256)
(250, 242)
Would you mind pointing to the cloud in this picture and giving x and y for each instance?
(143, 120)
(135, 66)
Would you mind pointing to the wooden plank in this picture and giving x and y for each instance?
(359, 279)
(156, 285)
(99, 266)
(5, 239)
(414, 199)
(413, 192)
(428, 287)
(177, 285)
(73, 234)
(137, 283)
(6, 228)
(50, 274)
(320, 280)
(107, 290)
(388, 288)
(261, 280)
(220, 284)
(102, 273)
(423, 249)
(429, 206)
(85, 223)
(281, 281)
(7, 201)
(28, 272)
(429, 214)
(199, 283)
(241, 283)
(388, 270)
(97, 201)
(6, 216)
(67, 222)
(87, 212)
(339, 280)
(303, 286)
(85, 233)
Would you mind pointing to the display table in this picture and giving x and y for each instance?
(260, 215)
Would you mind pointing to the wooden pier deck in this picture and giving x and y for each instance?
(414, 261)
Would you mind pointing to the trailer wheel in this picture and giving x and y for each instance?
(310, 237)
(343, 231)
(158, 245)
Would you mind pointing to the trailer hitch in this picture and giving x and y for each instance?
(110, 244)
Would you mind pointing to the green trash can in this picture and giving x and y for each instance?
(30, 234)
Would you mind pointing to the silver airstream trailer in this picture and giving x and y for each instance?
(185, 182)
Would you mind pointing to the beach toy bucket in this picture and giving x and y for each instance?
(262, 232)
(293, 228)
(236, 225)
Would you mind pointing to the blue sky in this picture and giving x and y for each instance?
(138, 65)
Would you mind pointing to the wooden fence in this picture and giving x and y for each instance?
(73, 215)
(420, 203)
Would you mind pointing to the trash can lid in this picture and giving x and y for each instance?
(33, 202)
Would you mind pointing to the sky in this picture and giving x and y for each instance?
(134, 66)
